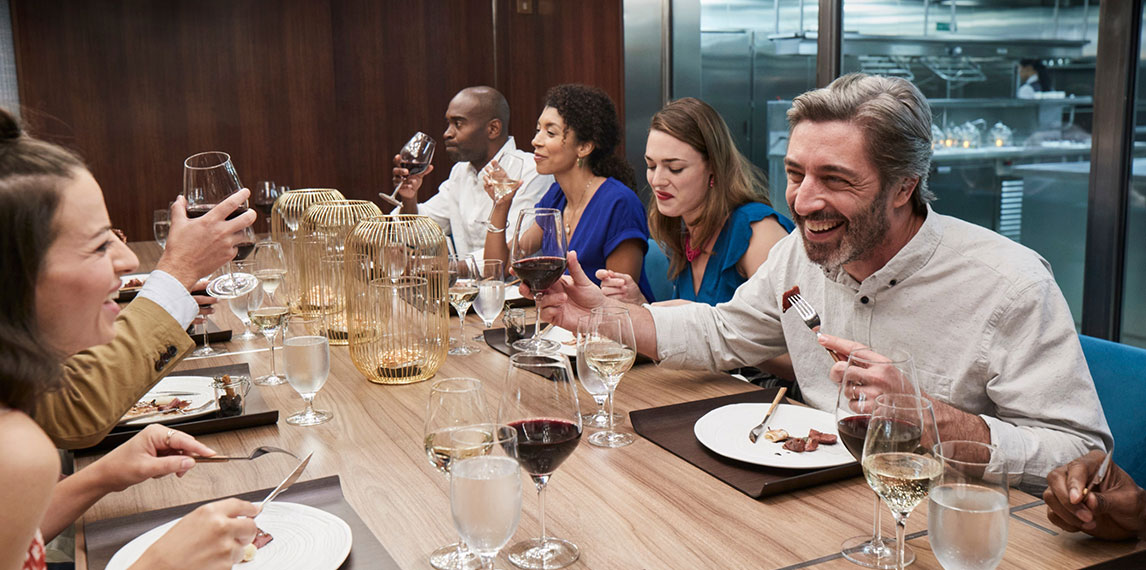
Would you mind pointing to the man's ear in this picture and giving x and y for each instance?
(903, 193)
(493, 129)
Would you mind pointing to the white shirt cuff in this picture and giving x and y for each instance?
(167, 292)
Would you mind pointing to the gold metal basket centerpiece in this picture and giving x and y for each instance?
(397, 311)
(286, 216)
(319, 247)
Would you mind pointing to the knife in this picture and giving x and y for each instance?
(294, 475)
(759, 429)
(1100, 475)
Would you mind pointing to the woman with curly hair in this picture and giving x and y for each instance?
(605, 223)
(712, 216)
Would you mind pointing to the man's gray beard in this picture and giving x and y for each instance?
(863, 235)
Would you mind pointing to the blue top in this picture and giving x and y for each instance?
(720, 275)
(613, 215)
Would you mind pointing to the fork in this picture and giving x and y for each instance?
(811, 318)
(257, 453)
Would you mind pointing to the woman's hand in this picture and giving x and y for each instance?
(489, 175)
(210, 537)
(1116, 510)
(154, 452)
(620, 286)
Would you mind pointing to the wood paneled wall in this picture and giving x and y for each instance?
(309, 93)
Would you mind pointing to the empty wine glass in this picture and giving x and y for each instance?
(591, 381)
(161, 226)
(485, 495)
(504, 174)
(540, 401)
(610, 350)
(206, 349)
(415, 157)
(537, 256)
(270, 265)
(208, 179)
(307, 355)
(456, 428)
(968, 508)
(463, 290)
(491, 292)
(243, 303)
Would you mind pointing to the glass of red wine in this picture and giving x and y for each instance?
(537, 255)
(869, 373)
(208, 179)
(264, 200)
(415, 157)
(540, 402)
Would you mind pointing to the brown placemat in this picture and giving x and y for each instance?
(1132, 560)
(671, 428)
(255, 413)
(214, 333)
(495, 338)
(105, 538)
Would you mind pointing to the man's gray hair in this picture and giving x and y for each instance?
(895, 119)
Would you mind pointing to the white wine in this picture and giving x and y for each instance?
(462, 294)
(446, 446)
(307, 363)
(608, 358)
(502, 187)
(490, 299)
(270, 279)
(903, 480)
(968, 526)
(269, 319)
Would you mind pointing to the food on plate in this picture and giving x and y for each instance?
(133, 283)
(163, 404)
(776, 435)
(812, 442)
(262, 537)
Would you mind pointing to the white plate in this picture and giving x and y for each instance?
(305, 538)
(202, 393)
(563, 337)
(513, 293)
(725, 431)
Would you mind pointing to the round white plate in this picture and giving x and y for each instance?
(200, 391)
(305, 538)
(725, 431)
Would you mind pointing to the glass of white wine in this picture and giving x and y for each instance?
(269, 318)
(967, 510)
(485, 495)
(270, 265)
(463, 290)
(592, 382)
(491, 292)
(307, 355)
(899, 462)
(610, 350)
(503, 174)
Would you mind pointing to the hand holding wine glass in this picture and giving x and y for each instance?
(610, 350)
(537, 256)
(209, 178)
(414, 160)
(502, 177)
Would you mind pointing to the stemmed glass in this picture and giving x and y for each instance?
(270, 265)
(485, 495)
(537, 256)
(464, 276)
(491, 292)
(891, 370)
(968, 508)
(591, 381)
(161, 226)
(456, 428)
(609, 350)
(264, 200)
(415, 157)
(540, 401)
(242, 304)
(899, 461)
(503, 174)
(307, 356)
(206, 349)
(208, 179)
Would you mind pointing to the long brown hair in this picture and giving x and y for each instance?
(32, 175)
(735, 180)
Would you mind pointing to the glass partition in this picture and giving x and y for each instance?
(1133, 301)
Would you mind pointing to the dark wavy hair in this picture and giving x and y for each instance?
(32, 175)
(591, 115)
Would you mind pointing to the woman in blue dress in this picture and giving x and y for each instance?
(711, 216)
(605, 223)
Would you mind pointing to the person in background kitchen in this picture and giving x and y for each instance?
(1033, 78)
(477, 131)
(1115, 510)
(990, 333)
(64, 265)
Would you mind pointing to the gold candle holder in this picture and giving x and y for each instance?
(319, 239)
(396, 287)
(286, 216)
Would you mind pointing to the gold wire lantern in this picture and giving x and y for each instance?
(396, 298)
(286, 215)
(318, 246)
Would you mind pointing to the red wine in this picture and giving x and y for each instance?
(853, 430)
(197, 211)
(539, 272)
(543, 444)
(245, 249)
(265, 209)
(414, 167)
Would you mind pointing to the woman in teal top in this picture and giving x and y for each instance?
(711, 215)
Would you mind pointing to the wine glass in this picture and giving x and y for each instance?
(415, 157)
(272, 313)
(540, 401)
(491, 292)
(504, 173)
(896, 371)
(485, 495)
(206, 349)
(270, 265)
(591, 381)
(307, 355)
(968, 508)
(609, 350)
(161, 226)
(264, 200)
(537, 256)
(241, 305)
(463, 290)
(208, 179)
(899, 461)
(455, 429)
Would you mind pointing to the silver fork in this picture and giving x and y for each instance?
(257, 453)
(811, 318)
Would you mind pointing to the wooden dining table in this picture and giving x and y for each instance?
(638, 506)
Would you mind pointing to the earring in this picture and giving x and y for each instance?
(580, 162)
(711, 181)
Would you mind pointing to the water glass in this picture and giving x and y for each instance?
(307, 355)
(241, 305)
(162, 226)
(591, 381)
(485, 495)
(968, 508)
(491, 292)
